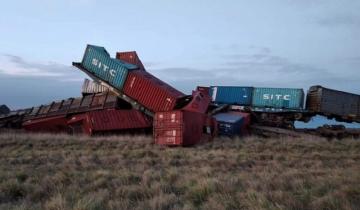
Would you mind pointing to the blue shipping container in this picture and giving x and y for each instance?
(288, 98)
(231, 95)
(98, 61)
(229, 124)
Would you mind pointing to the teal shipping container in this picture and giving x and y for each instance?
(231, 95)
(286, 98)
(98, 61)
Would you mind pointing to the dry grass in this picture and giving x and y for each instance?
(67, 172)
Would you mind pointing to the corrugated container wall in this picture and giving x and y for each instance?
(278, 98)
(151, 92)
(98, 61)
(130, 57)
(90, 87)
(328, 102)
(110, 120)
(229, 124)
(231, 95)
(56, 124)
(181, 128)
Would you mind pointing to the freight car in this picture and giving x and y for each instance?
(274, 98)
(278, 107)
(105, 100)
(336, 104)
(63, 108)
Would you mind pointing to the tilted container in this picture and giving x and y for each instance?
(97, 61)
(284, 98)
(229, 124)
(231, 95)
(151, 92)
(333, 103)
(130, 57)
(197, 102)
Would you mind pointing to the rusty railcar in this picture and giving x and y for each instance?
(339, 105)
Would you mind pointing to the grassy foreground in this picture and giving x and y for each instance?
(67, 172)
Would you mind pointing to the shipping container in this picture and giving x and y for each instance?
(98, 61)
(178, 128)
(229, 124)
(151, 92)
(56, 124)
(4, 109)
(90, 87)
(109, 121)
(130, 57)
(288, 98)
(198, 102)
(231, 95)
(332, 103)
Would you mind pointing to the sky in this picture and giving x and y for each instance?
(275, 43)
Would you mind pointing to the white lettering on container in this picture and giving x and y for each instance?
(104, 67)
(276, 97)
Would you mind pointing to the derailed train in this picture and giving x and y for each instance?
(126, 97)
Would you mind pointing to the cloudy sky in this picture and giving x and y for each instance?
(276, 43)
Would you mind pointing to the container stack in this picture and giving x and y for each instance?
(187, 125)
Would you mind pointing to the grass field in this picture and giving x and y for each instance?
(67, 172)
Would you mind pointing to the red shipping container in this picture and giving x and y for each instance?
(130, 57)
(178, 128)
(199, 103)
(110, 120)
(56, 124)
(151, 92)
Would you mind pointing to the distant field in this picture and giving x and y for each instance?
(67, 172)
